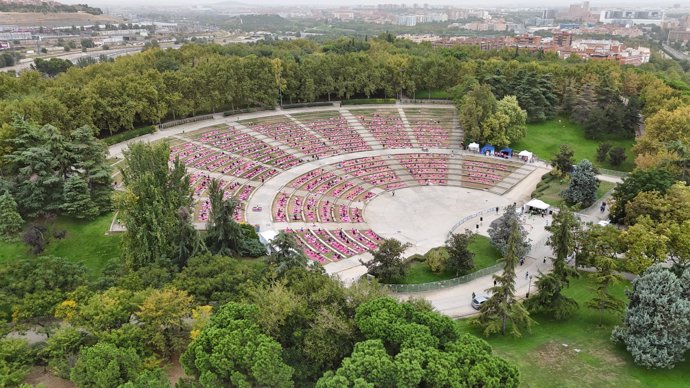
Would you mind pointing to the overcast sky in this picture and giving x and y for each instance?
(330, 3)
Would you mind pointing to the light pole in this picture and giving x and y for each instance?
(529, 286)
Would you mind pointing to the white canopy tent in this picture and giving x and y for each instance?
(474, 147)
(537, 204)
(525, 155)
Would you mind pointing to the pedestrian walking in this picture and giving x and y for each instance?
(526, 275)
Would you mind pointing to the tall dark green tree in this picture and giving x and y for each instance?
(460, 258)
(603, 299)
(549, 297)
(387, 263)
(286, 254)
(10, 221)
(582, 189)
(76, 199)
(503, 312)
(500, 231)
(224, 235)
(563, 160)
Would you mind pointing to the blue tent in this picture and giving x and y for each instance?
(507, 151)
(488, 148)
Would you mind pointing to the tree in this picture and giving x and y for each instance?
(62, 348)
(459, 255)
(214, 279)
(10, 221)
(104, 366)
(506, 125)
(162, 315)
(500, 231)
(617, 156)
(188, 243)
(149, 208)
(387, 263)
(549, 297)
(232, 350)
(286, 254)
(503, 308)
(224, 236)
(155, 378)
(605, 277)
(52, 66)
(563, 161)
(603, 151)
(77, 199)
(475, 107)
(656, 179)
(656, 327)
(582, 189)
(16, 358)
(437, 259)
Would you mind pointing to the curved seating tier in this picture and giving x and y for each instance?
(325, 246)
(484, 172)
(282, 129)
(427, 169)
(431, 127)
(386, 126)
(334, 128)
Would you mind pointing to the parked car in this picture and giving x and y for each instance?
(478, 300)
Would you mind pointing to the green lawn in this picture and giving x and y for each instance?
(86, 242)
(549, 190)
(485, 255)
(544, 139)
(544, 361)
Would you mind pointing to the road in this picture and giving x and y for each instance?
(74, 56)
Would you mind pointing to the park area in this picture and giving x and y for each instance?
(485, 255)
(544, 140)
(577, 352)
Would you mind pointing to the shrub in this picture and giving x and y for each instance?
(603, 151)
(617, 156)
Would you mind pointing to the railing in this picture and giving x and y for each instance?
(185, 121)
(604, 171)
(491, 210)
(403, 288)
(425, 101)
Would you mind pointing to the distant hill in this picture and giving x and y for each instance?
(55, 19)
(37, 6)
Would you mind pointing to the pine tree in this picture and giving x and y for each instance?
(503, 309)
(656, 327)
(582, 189)
(549, 298)
(500, 230)
(606, 277)
(10, 220)
(224, 235)
(286, 254)
(76, 200)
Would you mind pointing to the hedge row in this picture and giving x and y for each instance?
(364, 101)
(307, 104)
(244, 110)
(127, 135)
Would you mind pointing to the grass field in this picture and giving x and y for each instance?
(544, 139)
(485, 255)
(85, 243)
(549, 190)
(590, 359)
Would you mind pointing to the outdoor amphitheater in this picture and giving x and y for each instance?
(341, 179)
